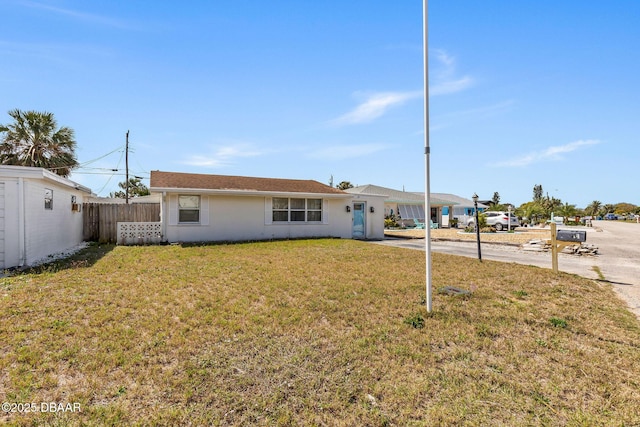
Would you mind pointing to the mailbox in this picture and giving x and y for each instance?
(577, 236)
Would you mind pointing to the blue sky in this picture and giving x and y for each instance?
(521, 93)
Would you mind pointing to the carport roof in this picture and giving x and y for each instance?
(402, 197)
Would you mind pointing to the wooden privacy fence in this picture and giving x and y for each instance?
(100, 220)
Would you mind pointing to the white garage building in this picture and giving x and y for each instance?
(40, 214)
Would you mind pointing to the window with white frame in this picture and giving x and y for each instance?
(296, 210)
(48, 198)
(189, 209)
(314, 210)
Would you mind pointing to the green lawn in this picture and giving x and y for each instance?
(313, 332)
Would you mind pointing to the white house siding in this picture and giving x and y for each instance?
(238, 218)
(54, 230)
(10, 224)
(28, 231)
(2, 224)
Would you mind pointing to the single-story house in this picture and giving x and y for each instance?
(40, 214)
(405, 204)
(203, 207)
(462, 210)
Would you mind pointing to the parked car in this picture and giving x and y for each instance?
(499, 220)
(611, 216)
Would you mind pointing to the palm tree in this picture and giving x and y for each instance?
(136, 189)
(344, 185)
(593, 208)
(34, 139)
(530, 210)
(567, 210)
(608, 208)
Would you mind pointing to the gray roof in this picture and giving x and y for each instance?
(460, 201)
(403, 197)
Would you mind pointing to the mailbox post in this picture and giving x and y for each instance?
(562, 238)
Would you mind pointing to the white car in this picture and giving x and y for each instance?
(499, 220)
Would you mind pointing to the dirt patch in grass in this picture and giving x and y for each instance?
(320, 332)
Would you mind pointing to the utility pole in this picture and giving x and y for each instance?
(126, 156)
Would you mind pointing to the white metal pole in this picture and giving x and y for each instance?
(427, 189)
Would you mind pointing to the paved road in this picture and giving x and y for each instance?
(618, 260)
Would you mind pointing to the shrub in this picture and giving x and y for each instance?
(415, 320)
(558, 323)
(389, 223)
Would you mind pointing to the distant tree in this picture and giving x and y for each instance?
(593, 208)
(537, 193)
(567, 210)
(624, 208)
(495, 200)
(344, 185)
(34, 139)
(136, 189)
(608, 208)
(532, 211)
(550, 205)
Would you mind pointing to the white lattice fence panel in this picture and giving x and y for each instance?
(139, 233)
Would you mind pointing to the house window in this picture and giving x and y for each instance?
(48, 198)
(189, 209)
(296, 210)
(314, 210)
(280, 209)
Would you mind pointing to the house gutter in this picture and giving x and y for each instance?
(22, 235)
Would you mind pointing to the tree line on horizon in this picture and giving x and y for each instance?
(542, 207)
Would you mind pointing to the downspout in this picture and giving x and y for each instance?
(22, 235)
(163, 219)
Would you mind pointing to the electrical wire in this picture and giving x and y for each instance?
(88, 162)
(109, 180)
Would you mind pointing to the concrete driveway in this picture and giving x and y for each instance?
(618, 260)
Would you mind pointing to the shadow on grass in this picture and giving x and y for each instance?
(84, 258)
(244, 242)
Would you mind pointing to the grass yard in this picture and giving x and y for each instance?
(312, 332)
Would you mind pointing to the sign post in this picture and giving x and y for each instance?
(562, 238)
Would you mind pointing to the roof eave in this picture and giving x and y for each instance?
(236, 192)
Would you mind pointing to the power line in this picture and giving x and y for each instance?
(109, 180)
(99, 158)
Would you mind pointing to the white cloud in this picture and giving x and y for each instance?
(80, 16)
(343, 152)
(223, 156)
(480, 113)
(443, 79)
(451, 86)
(375, 106)
(553, 153)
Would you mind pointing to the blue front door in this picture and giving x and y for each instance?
(358, 229)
